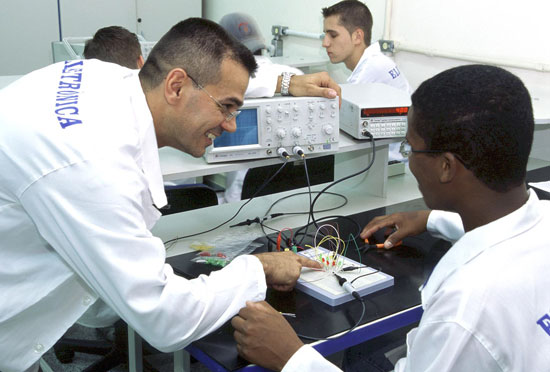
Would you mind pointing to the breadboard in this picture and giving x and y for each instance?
(324, 286)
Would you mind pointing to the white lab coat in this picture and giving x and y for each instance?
(375, 67)
(486, 304)
(263, 84)
(76, 205)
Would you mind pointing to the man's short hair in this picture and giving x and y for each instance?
(484, 115)
(353, 15)
(198, 46)
(114, 44)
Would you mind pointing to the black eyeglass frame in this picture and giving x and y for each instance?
(228, 115)
(407, 153)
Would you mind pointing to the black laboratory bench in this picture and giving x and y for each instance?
(387, 310)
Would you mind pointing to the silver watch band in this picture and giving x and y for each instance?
(285, 83)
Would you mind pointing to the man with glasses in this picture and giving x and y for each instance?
(81, 181)
(486, 303)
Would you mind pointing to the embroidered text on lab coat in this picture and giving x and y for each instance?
(66, 101)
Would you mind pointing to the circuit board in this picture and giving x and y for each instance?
(324, 286)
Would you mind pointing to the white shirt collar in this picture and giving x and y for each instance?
(149, 146)
(480, 239)
(372, 49)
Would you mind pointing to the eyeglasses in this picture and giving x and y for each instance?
(406, 150)
(228, 115)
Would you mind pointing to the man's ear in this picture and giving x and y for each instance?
(448, 167)
(174, 84)
(358, 36)
(140, 62)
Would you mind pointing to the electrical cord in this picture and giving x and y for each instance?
(343, 334)
(273, 215)
(242, 206)
(313, 192)
(298, 232)
(360, 276)
(347, 286)
(368, 134)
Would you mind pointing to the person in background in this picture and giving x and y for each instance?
(81, 184)
(245, 29)
(263, 84)
(469, 138)
(348, 31)
(117, 45)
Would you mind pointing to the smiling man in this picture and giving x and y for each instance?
(486, 304)
(81, 181)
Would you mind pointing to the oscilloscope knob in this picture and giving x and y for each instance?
(281, 133)
(322, 106)
(296, 132)
(328, 129)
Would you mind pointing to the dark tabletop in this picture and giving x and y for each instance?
(410, 264)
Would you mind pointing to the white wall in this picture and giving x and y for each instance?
(501, 32)
(26, 31)
(28, 27)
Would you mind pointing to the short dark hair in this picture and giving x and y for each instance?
(198, 46)
(353, 15)
(114, 44)
(483, 114)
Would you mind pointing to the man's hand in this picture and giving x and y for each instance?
(405, 223)
(263, 336)
(318, 84)
(282, 269)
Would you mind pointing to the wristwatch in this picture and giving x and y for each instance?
(285, 83)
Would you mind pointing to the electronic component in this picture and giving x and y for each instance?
(379, 109)
(324, 285)
(267, 124)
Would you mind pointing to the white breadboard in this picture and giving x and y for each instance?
(324, 286)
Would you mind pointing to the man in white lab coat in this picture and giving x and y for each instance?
(115, 44)
(486, 303)
(81, 181)
(348, 30)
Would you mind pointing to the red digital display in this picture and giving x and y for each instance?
(384, 111)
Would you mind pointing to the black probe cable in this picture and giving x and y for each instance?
(239, 210)
(343, 179)
(349, 288)
(273, 215)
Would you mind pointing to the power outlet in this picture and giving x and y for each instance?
(386, 46)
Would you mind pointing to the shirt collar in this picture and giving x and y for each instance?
(372, 49)
(149, 147)
(480, 239)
